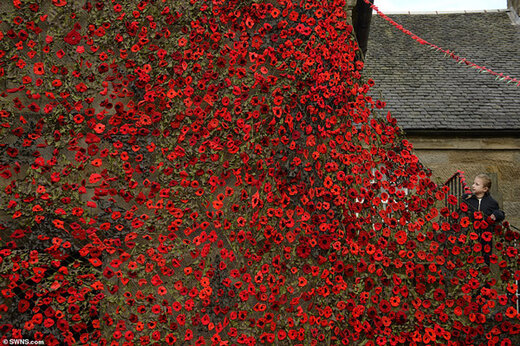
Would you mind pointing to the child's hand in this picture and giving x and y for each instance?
(493, 217)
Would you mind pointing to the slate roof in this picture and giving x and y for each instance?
(425, 90)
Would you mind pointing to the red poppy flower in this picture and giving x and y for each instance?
(23, 305)
(48, 322)
(38, 68)
(59, 3)
(73, 37)
(401, 237)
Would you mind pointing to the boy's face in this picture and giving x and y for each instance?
(478, 188)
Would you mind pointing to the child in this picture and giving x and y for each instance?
(481, 201)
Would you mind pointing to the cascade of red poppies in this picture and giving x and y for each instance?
(212, 172)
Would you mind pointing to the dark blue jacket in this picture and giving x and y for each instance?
(488, 206)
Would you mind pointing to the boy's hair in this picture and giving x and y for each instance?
(485, 179)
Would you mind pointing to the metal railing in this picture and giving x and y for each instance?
(457, 187)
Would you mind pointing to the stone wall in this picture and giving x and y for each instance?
(499, 157)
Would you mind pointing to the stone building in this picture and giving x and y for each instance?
(456, 117)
